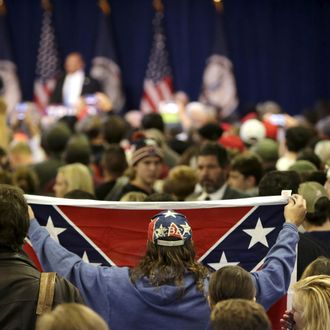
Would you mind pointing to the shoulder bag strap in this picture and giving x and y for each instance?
(46, 292)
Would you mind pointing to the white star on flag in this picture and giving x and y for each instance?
(258, 234)
(222, 262)
(86, 259)
(54, 231)
(170, 213)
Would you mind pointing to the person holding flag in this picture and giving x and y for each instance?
(168, 286)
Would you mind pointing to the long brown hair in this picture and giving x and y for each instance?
(168, 264)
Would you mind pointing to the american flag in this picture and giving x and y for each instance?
(48, 65)
(237, 232)
(158, 84)
(104, 65)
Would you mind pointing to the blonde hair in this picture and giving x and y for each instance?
(77, 176)
(313, 295)
(71, 316)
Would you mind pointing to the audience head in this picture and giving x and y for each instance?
(77, 150)
(156, 135)
(71, 316)
(20, 154)
(114, 129)
(311, 303)
(317, 203)
(245, 171)
(322, 150)
(114, 161)
(90, 126)
(146, 161)
(6, 177)
(230, 282)
(239, 314)
(320, 266)
(308, 154)
(199, 114)
(212, 166)
(267, 150)
(252, 131)
(210, 132)
(56, 138)
(153, 120)
(302, 166)
(297, 138)
(318, 176)
(181, 182)
(26, 179)
(71, 177)
(273, 182)
(14, 217)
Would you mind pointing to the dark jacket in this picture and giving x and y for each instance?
(309, 249)
(19, 289)
(231, 193)
(90, 86)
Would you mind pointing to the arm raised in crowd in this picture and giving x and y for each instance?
(273, 280)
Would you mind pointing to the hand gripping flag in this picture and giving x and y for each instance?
(48, 65)
(158, 84)
(234, 232)
(219, 87)
(104, 66)
(9, 86)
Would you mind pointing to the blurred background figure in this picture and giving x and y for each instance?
(181, 182)
(71, 177)
(73, 83)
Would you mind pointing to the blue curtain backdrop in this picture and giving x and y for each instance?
(280, 49)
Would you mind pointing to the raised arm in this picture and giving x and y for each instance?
(273, 280)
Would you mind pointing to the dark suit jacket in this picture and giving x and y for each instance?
(90, 86)
(231, 193)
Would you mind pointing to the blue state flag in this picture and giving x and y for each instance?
(104, 66)
(219, 86)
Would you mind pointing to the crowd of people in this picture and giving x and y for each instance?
(142, 157)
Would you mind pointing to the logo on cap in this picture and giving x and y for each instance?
(169, 228)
